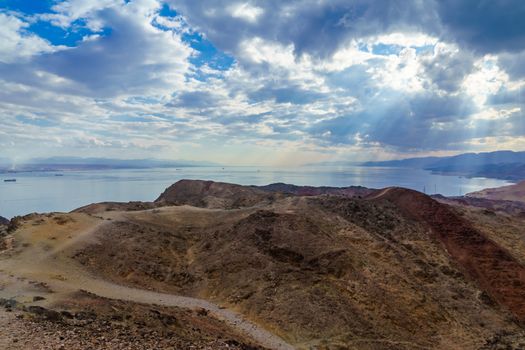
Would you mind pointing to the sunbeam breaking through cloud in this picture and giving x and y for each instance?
(237, 82)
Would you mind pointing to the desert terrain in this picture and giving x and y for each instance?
(213, 266)
(508, 193)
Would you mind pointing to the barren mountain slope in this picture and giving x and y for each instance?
(48, 292)
(210, 194)
(511, 193)
(358, 273)
(512, 208)
(508, 231)
(494, 269)
(393, 270)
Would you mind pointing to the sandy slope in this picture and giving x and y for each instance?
(42, 254)
(510, 193)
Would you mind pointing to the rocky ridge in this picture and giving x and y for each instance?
(379, 269)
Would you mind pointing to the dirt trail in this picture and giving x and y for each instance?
(53, 266)
(380, 193)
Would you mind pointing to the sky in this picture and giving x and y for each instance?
(266, 82)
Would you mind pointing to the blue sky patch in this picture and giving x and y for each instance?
(208, 53)
(28, 7)
(385, 50)
(167, 11)
(59, 36)
(42, 122)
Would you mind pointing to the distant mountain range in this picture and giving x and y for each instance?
(507, 165)
(78, 163)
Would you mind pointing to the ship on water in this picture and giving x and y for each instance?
(10, 180)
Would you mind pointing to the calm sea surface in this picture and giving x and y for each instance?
(46, 192)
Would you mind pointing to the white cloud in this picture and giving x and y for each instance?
(400, 72)
(495, 114)
(246, 12)
(136, 57)
(486, 80)
(300, 80)
(16, 43)
(258, 50)
(66, 12)
(410, 39)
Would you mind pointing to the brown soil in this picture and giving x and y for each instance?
(492, 267)
(511, 193)
(395, 270)
(373, 274)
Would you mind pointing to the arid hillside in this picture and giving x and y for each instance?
(285, 267)
(510, 193)
(210, 194)
(377, 272)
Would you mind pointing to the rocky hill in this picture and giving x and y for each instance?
(393, 270)
(507, 165)
(306, 267)
(3, 221)
(210, 194)
(4, 226)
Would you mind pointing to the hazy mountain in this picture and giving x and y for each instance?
(504, 171)
(459, 160)
(407, 163)
(507, 165)
(79, 163)
(480, 159)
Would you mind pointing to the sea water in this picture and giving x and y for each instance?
(47, 192)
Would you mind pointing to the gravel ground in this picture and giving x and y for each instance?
(18, 330)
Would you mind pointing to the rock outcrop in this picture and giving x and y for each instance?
(3, 221)
(210, 194)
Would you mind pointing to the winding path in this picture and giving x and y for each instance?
(63, 275)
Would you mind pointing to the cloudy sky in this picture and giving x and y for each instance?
(261, 82)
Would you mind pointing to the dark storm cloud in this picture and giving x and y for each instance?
(315, 27)
(508, 97)
(513, 63)
(486, 26)
(195, 100)
(447, 69)
(293, 94)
